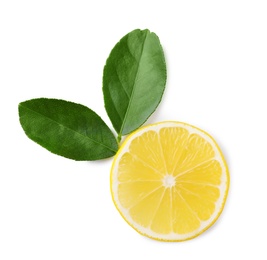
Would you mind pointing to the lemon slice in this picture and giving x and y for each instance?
(169, 181)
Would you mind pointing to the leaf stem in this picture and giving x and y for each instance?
(119, 138)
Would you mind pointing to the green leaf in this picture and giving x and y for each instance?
(67, 129)
(134, 80)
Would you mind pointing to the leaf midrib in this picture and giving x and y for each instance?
(134, 87)
(68, 128)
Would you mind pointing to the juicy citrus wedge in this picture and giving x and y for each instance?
(169, 181)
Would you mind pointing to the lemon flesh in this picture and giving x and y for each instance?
(169, 181)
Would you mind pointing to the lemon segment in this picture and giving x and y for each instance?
(169, 181)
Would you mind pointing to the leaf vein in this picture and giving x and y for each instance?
(134, 87)
(86, 136)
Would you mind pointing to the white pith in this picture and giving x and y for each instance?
(168, 181)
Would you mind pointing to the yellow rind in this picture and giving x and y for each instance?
(224, 199)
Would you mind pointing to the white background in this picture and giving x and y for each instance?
(216, 52)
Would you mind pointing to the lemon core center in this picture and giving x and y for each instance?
(168, 181)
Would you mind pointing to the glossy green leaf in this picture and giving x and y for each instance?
(134, 80)
(67, 129)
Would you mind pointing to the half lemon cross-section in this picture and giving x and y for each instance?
(169, 181)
